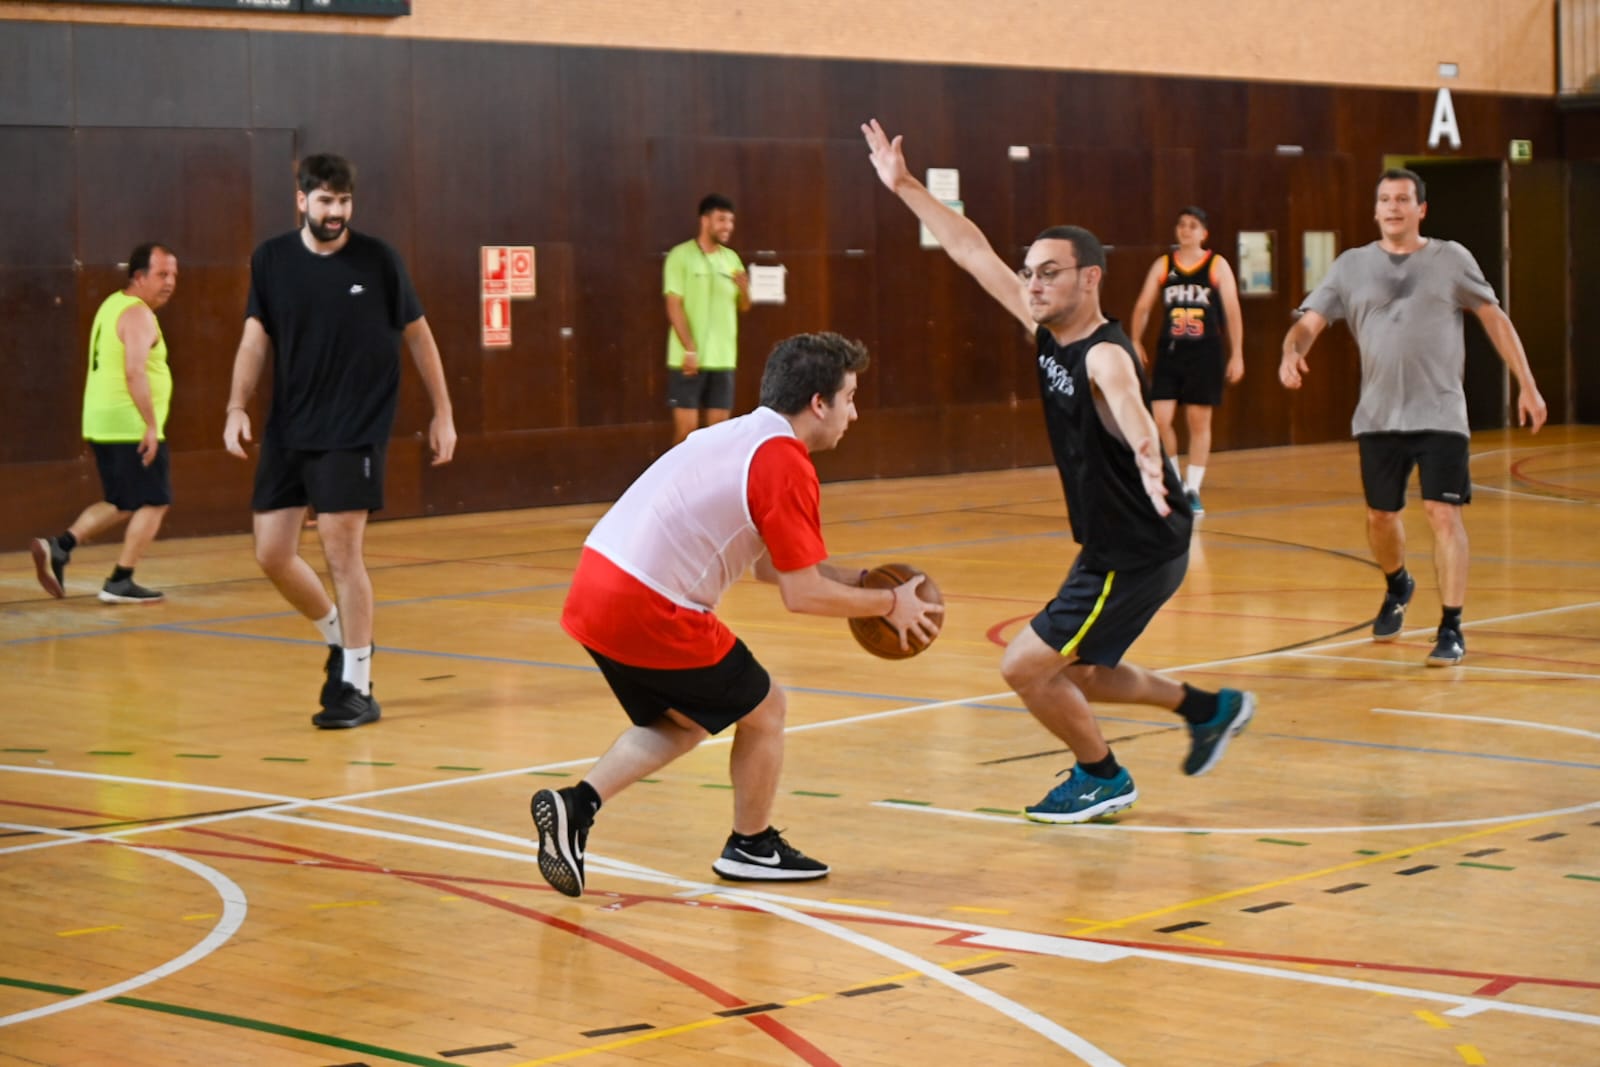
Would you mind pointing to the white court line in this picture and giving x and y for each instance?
(234, 908)
(1485, 718)
(1412, 665)
(1541, 497)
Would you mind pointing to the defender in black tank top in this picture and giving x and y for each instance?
(1125, 505)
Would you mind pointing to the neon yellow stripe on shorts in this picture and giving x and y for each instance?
(1105, 594)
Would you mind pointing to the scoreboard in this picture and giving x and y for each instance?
(381, 8)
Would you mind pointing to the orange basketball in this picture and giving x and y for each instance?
(874, 633)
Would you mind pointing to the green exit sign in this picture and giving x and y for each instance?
(1521, 151)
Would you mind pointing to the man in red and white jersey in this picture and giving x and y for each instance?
(738, 494)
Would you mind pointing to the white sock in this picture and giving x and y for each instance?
(1172, 461)
(1196, 476)
(358, 668)
(330, 629)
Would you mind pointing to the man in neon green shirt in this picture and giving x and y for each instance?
(706, 287)
(125, 402)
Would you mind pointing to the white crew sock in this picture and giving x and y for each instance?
(1196, 476)
(358, 668)
(330, 629)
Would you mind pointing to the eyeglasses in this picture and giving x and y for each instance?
(1044, 274)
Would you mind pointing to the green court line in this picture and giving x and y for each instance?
(239, 1021)
(1368, 852)
(1582, 877)
(555, 774)
(1485, 866)
(813, 793)
(716, 785)
(913, 803)
(997, 811)
(370, 763)
(283, 759)
(24, 750)
(447, 767)
(645, 781)
(1281, 841)
(198, 755)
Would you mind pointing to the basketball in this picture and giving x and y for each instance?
(873, 632)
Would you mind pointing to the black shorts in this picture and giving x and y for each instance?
(711, 389)
(127, 483)
(715, 697)
(342, 480)
(1189, 374)
(1387, 459)
(1096, 615)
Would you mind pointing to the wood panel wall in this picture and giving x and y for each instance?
(597, 157)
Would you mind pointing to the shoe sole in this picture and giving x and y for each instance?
(559, 868)
(320, 721)
(1247, 711)
(1442, 661)
(734, 871)
(41, 567)
(112, 598)
(1120, 802)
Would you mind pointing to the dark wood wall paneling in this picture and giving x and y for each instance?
(597, 157)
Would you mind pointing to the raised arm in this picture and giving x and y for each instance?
(137, 330)
(425, 354)
(1296, 343)
(1113, 375)
(1531, 409)
(1227, 287)
(1148, 295)
(958, 236)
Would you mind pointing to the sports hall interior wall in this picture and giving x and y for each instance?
(597, 156)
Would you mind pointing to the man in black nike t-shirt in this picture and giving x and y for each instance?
(331, 307)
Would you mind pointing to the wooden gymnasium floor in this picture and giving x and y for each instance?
(1394, 866)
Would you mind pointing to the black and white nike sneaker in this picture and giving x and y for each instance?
(561, 840)
(766, 857)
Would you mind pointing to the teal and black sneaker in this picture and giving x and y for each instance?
(1083, 797)
(1208, 740)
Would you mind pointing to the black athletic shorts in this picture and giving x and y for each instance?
(1387, 459)
(1096, 615)
(1189, 374)
(715, 697)
(127, 483)
(330, 482)
(711, 389)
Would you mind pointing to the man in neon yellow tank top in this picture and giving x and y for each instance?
(125, 403)
(706, 288)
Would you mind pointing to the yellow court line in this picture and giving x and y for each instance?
(1470, 1054)
(1213, 942)
(86, 930)
(1432, 1020)
(980, 911)
(1366, 861)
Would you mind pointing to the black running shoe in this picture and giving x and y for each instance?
(353, 708)
(50, 564)
(333, 682)
(129, 591)
(1448, 648)
(767, 857)
(1392, 615)
(561, 841)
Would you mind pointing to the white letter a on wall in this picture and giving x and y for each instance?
(1444, 121)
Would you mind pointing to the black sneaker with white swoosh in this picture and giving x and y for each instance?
(561, 840)
(766, 857)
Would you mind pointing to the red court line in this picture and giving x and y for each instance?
(1517, 472)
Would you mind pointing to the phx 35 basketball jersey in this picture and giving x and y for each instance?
(1193, 310)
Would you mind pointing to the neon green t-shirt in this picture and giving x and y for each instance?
(109, 414)
(704, 281)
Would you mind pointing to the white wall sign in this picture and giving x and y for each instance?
(1444, 121)
(767, 283)
(944, 183)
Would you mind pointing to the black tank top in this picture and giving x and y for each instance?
(1111, 516)
(1193, 309)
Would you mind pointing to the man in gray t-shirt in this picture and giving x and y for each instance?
(1403, 297)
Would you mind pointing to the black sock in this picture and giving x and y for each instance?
(1451, 620)
(751, 839)
(67, 541)
(1198, 706)
(1106, 768)
(588, 801)
(1397, 582)
(121, 574)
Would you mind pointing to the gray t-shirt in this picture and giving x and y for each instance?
(1405, 311)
